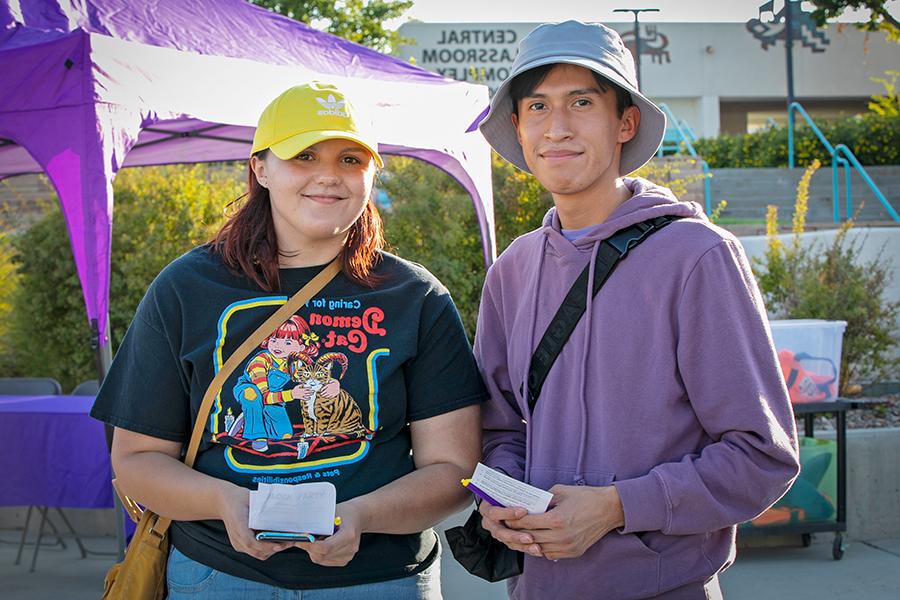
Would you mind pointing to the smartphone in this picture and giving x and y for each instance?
(284, 536)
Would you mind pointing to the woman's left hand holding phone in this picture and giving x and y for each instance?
(183, 494)
(339, 549)
(235, 513)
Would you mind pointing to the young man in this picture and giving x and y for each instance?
(664, 421)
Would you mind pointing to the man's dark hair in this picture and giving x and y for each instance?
(524, 84)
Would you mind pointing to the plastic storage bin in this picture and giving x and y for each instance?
(809, 351)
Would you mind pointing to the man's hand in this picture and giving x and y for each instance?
(579, 516)
(496, 520)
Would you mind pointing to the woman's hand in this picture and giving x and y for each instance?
(340, 548)
(235, 513)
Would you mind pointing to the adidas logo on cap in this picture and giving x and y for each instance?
(332, 107)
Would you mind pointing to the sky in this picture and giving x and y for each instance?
(506, 11)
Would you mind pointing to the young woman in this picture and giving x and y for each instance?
(386, 408)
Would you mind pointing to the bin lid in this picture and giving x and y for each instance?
(806, 323)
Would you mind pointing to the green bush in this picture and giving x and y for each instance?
(9, 282)
(832, 283)
(432, 222)
(160, 213)
(163, 212)
(873, 138)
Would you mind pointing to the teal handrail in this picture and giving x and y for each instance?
(848, 154)
(841, 155)
(687, 130)
(685, 138)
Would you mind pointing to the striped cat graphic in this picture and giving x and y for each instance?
(338, 415)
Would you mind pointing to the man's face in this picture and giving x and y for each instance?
(571, 134)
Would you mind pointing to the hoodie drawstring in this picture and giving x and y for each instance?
(531, 345)
(585, 350)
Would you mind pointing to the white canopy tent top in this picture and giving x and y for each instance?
(90, 86)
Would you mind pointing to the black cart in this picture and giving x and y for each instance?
(839, 525)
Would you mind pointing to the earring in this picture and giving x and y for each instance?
(263, 182)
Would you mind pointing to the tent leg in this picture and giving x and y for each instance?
(103, 356)
(102, 352)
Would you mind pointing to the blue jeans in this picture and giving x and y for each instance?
(188, 579)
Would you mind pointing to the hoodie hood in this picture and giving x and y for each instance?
(647, 201)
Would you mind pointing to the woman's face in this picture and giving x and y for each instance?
(317, 195)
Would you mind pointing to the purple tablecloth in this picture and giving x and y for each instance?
(55, 453)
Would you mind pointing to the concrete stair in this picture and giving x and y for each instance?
(749, 191)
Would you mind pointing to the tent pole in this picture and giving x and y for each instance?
(103, 357)
(102, 352)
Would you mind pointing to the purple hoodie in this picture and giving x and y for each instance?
(669, 389)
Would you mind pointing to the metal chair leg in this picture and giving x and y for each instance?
(74, 534)
(37, 545)
(59, 539)
(24, 533)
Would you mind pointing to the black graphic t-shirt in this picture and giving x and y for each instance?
(327, 397)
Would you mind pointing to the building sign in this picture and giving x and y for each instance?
(475, 53)
(803, 28)
(653, 44)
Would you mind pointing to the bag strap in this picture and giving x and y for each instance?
(253, 340)
(612, 251)
(802, 356)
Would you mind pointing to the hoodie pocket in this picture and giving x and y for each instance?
(619, 565)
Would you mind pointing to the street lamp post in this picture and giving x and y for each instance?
(637, 38)
(789, 49)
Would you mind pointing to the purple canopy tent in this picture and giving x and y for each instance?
(90, 86)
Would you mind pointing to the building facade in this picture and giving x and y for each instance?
(717, 77)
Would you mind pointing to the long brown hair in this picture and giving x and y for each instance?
(248, 244)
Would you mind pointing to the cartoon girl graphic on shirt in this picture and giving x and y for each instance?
(261, 389)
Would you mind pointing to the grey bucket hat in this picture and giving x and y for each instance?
(595, 47)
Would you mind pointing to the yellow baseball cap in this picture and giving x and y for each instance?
(308, 114)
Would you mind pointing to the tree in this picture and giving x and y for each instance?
(161, 212)
(879, 19)
(431, 221)
(360, 21)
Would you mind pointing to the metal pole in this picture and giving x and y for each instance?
(102, 351)
(637, 49)
(103, 357)
(789, 48)
(637, 38)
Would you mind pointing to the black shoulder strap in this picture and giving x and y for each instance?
(612, 251)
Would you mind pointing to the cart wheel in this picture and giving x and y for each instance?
(807, 540)
(837, 548)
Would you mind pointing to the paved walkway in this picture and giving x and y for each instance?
(870, 570)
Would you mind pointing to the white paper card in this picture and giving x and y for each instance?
(301, 508)
(510, 492)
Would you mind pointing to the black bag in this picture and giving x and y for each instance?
(472, 545)
(480, 554)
